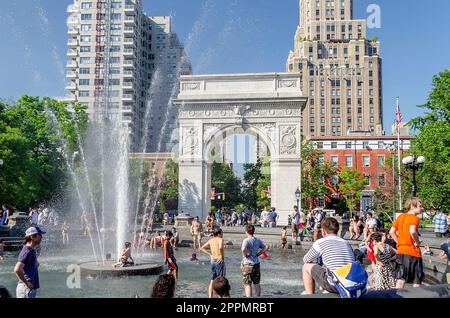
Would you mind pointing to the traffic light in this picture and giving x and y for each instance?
(223, 197)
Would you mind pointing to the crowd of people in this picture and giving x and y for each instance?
(395, 255)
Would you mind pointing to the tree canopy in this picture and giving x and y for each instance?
(34, 134)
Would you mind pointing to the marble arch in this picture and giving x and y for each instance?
(213, 107)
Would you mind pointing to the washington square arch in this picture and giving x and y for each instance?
(213, 107)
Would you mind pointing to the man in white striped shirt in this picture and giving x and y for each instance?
(332, 251)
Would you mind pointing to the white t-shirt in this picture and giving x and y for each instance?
(34, 217)
(371, 223)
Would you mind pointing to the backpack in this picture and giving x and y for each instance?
(350, 280)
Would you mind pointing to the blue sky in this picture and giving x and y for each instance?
(229, 36)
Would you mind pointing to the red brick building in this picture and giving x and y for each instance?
(368, 154)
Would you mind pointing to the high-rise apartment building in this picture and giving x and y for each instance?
(120, 61)
(341, 70)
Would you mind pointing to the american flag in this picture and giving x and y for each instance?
(399, 116)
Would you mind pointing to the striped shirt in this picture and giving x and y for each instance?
(334, 251)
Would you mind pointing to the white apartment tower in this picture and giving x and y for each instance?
(340, 68)
(120, 60)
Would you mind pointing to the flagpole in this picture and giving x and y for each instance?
(400, 201)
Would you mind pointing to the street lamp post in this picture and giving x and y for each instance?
(414, 163)
(298, 197)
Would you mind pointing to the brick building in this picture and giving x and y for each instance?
(367, 154)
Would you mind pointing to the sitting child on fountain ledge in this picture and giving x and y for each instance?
(126, 254)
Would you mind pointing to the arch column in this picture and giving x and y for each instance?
(195, 188)
(285, 180)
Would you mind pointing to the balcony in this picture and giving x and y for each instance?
(128, 52)
(73, 8)
(128, 41)
(70, 99)
(72, 43)
(127, 97)
(128, 30)
(128, 64)
(72, 20)
(129, 9)
(127, 85)
(71, 86)
(129, 20)
(73, 31)
(72, 53)
(127, 109)
(72, 64)
(72, 75)
(128, 74)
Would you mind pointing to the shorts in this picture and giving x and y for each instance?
(172, 265)
(251, 274)
(284, 241)
(197, 237)
(410, 269)
(218, 269)
(294, 228)
(320, 276)
(22, 291)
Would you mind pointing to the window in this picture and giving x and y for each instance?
(85, 27)
(320, 145)
(382, 180)
(84, 82)
(368, 179)
(334, 145)
(114, 59)
(85, 60)
(348, 145)
(85, 49)
(366, 161)
(116, 16)
(116, 26)
(116, 5)
(115, 48)
(85, 70)
(114, 82)
(84, 94)
(321, 160)
(115, 38)
(86, 5)
(85, 38)
(335, 179)
(335, 160)
(349, 161)
(381, 161)
(365, 144)
(381, 145)
(85, 16)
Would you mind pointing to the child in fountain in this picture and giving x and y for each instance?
(284, 237)
(126, 254)
(169, 258)
(65, 232)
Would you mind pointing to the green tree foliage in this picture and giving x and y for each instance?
(351, 185)
(433, 180)
(224, 180)
(438, 102)
(433, 142)
(169, 185)
(32, 131)
(314, 174)
(264, 182)
(257, 180)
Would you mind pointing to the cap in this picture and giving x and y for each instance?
(33, 231)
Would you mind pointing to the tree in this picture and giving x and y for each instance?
(169, 185)
(224, 181)
(252, 174)
(433, 179)
(351, 184)
(433, 141)
(264, 182)
(438, 102)
(314, 175)
(33, 134)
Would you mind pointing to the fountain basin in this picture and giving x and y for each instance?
(107, 270)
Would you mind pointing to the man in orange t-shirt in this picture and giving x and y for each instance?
(405, 232)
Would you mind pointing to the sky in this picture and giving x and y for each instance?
(233, 36)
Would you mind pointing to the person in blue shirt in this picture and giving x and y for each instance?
(441, 224)
(252, 248)
(27, 265)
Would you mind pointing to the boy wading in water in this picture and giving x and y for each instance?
(217, 255)
(252, 248)
(169, 257)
